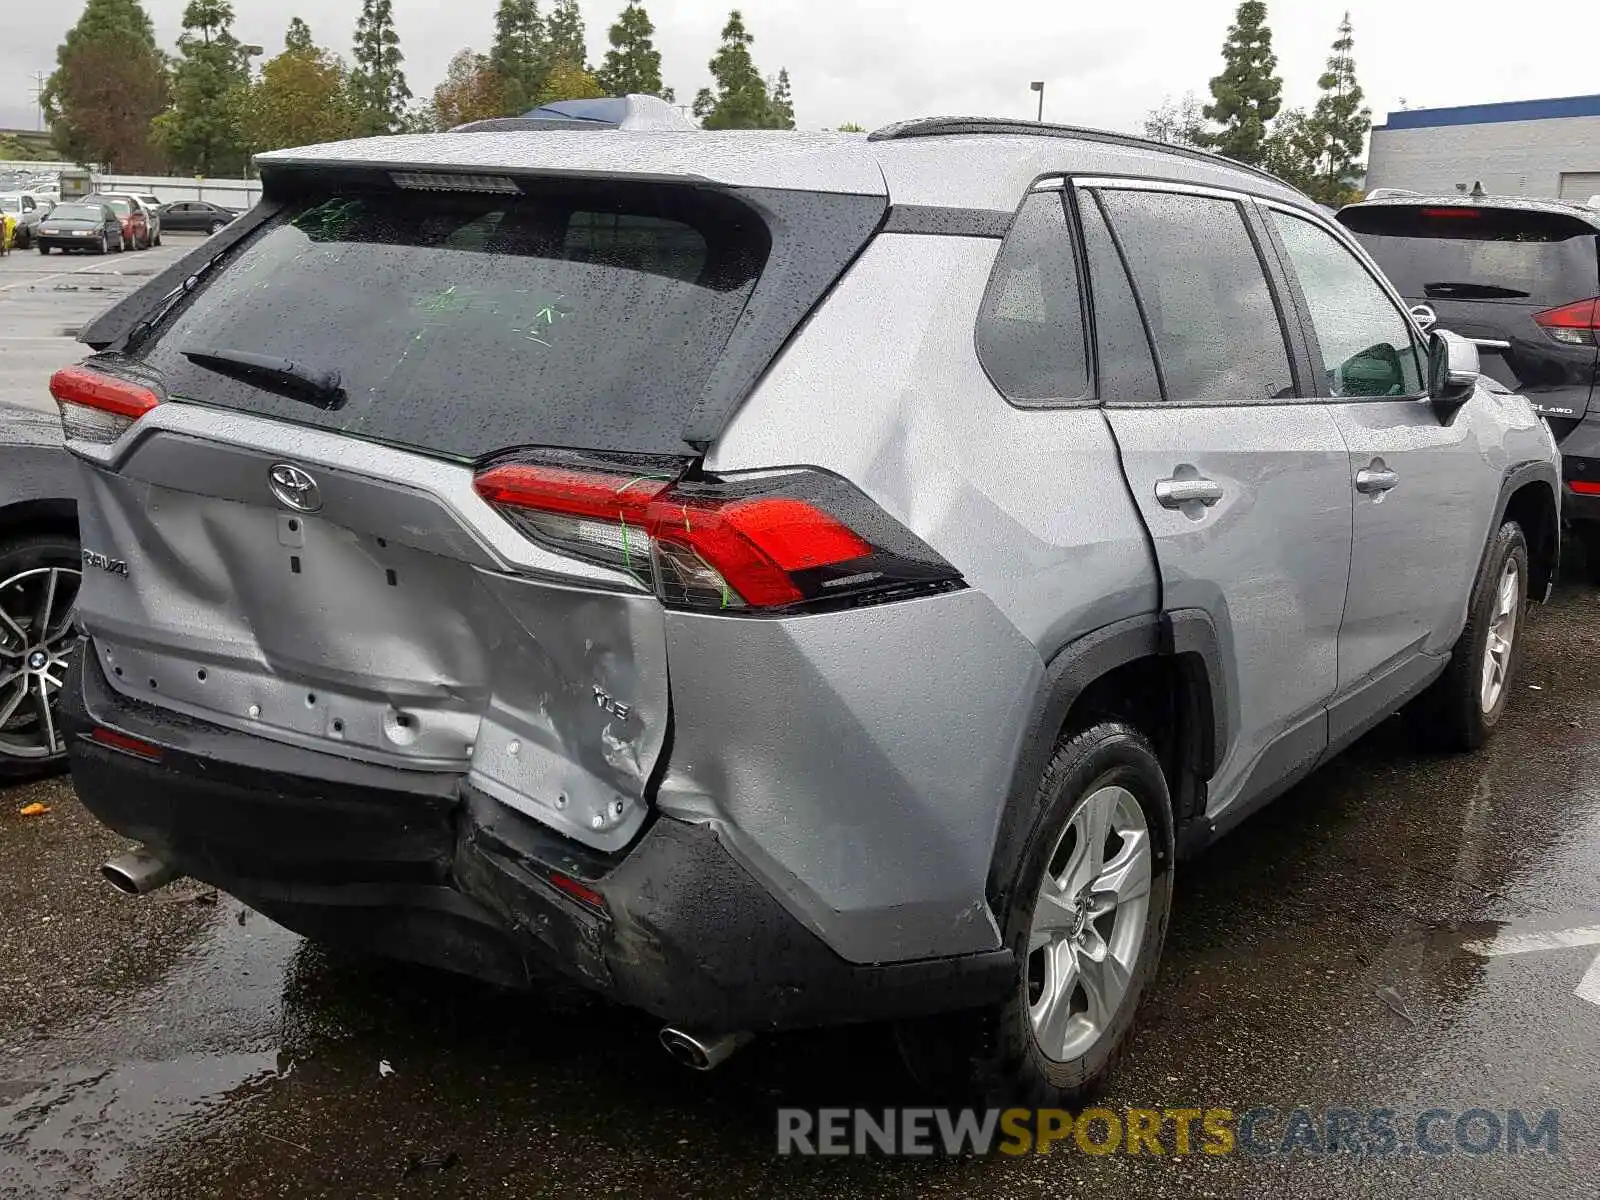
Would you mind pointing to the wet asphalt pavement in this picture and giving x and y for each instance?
(182, 1045)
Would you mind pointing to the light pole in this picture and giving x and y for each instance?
(1038, 86)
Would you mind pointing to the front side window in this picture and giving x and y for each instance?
(1205, 296)
(1030, 325)
(1367, 347)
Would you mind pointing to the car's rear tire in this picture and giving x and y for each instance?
(27, 565)
(1464, 705)
(45, 250)
(1070, 1016)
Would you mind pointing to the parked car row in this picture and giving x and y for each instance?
(699, 622)
(115, 221)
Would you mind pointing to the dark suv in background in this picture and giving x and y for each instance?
(1521, 278)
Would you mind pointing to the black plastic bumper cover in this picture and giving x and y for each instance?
(420, 867)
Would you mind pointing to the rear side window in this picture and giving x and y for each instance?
(1462, 252)
(1204, 293)
(1030, 325)
(460, 323)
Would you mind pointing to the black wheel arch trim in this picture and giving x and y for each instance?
(1187, 637)
(1517, 477)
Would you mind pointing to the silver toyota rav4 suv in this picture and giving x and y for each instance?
(775, 579)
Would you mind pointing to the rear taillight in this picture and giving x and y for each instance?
(788, 539)
(1574, 324)
(96, 407)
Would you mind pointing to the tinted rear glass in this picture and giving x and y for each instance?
(1461, 253)
(462, 324)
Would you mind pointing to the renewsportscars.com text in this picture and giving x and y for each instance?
(1373, 1132)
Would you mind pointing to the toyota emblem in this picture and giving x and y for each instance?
(294, 488)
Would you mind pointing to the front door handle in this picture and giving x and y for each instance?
(1175, 493)
(1374, 481)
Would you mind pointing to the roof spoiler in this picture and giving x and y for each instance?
(608, 112)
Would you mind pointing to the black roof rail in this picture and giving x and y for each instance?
(951, 126)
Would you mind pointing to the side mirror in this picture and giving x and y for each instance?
(1424, 316)
(1453, 370)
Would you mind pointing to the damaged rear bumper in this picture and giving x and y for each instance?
(414, 865)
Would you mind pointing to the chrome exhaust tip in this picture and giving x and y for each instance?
(138, 873)
(702, 1053)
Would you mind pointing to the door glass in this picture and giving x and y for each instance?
(1367, 347)
(1205, 296)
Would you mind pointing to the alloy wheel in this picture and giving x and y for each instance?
(36, 642)
(1089, 923)
(1502, 636)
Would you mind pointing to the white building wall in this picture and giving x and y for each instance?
(1510, 158)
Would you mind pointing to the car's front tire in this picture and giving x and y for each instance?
(1088, 899)
(39, 577)
(1463, 706)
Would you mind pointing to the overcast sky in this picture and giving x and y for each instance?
(875, 61)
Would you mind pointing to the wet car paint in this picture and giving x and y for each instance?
(172, 1046)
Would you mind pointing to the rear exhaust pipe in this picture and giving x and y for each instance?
(138, 872)
(702, 1053)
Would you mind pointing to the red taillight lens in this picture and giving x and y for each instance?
(1584, 487)
(96, 407)
(1471, 214)
(786, 539)
(1573, 324)
(577, 889)
(125, 744)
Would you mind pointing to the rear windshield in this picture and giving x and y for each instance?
(1462, 253)
(121, 207)
(460, 324)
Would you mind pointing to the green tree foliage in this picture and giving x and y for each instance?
(203, 130)
(850, 127)
(109, 83)
(378, 88)
(299, 36)
(566, 81)
(565, 38)
(301, 97)
(633, 64)
(518, 56)
(1290, 150)
(782, 102)
(740, 99)
(470, 91)
(1177, 122)
(1248, 93)
(1341, 121)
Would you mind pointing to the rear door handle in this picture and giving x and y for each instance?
(1373, 481)
(1175, 493)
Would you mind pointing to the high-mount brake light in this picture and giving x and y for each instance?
(429, 181)
(788, 539)
(96, 407)
(1572, 324)
(1470, 214)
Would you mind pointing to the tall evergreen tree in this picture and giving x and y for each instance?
(109, 83)
(741, 99)
(1340, 119)
(782, 102)
(565, 37)
(1248, 93)
(299, 36)
(378, 84)
(518, 55)
(202, 130)
(633, 64)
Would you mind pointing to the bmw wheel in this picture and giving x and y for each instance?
(39, 578)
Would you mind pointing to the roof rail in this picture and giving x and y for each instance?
(520, 124)
(951, 126)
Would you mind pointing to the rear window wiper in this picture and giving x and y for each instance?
(282, 375)
(166, 304)
(1472, 291)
